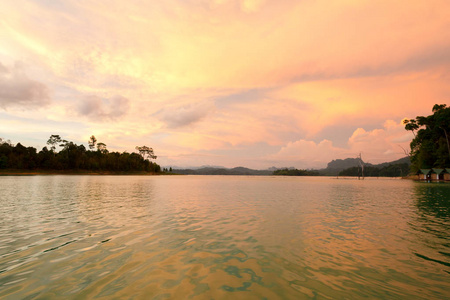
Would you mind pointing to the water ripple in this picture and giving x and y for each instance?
(83, 237)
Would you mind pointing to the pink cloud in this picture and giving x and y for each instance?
(18, 90)
(103, 109)
(378, 145)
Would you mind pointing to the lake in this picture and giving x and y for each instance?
(223, 237)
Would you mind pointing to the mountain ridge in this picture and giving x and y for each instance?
(333, 168)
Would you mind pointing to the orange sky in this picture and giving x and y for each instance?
(253, 83)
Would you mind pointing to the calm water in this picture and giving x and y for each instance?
(218, 237)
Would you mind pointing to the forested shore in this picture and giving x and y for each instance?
(74, 159)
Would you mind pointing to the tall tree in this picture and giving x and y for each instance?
(92, 141)
(53, 141)
(442, 113)
(102, 147)
(146, 152)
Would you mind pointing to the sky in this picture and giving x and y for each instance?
(254, 83)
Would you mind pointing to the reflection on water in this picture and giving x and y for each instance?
(432, 223)
(178, 237)
(433, 200)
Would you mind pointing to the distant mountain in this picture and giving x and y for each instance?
(343, 163)
(335, 166)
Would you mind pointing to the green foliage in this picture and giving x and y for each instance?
(430, 147)
(295, 172)
(71, 157)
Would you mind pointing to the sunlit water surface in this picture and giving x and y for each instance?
(222, 237)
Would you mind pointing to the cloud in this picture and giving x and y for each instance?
(381, 140)
(180, 116)
(377, 146)
(302, 75)
(307, 154)
(103, 109)
(17, 90)
(279, 42)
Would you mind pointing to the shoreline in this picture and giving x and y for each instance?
(12, 172)
(17, 172)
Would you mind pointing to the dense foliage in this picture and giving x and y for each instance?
(72, 157)
(430, 147)
(295, 172)
(395, 170)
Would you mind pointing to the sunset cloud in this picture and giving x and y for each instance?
(17, 90)
(375, 146)
(103, 109)
(184, 115)
(229, 81)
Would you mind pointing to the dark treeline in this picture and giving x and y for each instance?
(222, 171)
(295, 172)
(75, 157)
(395, 170)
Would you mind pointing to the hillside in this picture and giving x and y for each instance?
(336, 166)
(404, 160)
(333, 168)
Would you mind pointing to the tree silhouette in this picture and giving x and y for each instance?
(54, 140)
(92, 141)
(146, 152)
(102, 147)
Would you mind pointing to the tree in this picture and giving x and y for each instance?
(102, 148)
(146, 152)
(430, 146)
(5, 142)
(442, 113)
(54, 140)
(92, 141)
(411, 125)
